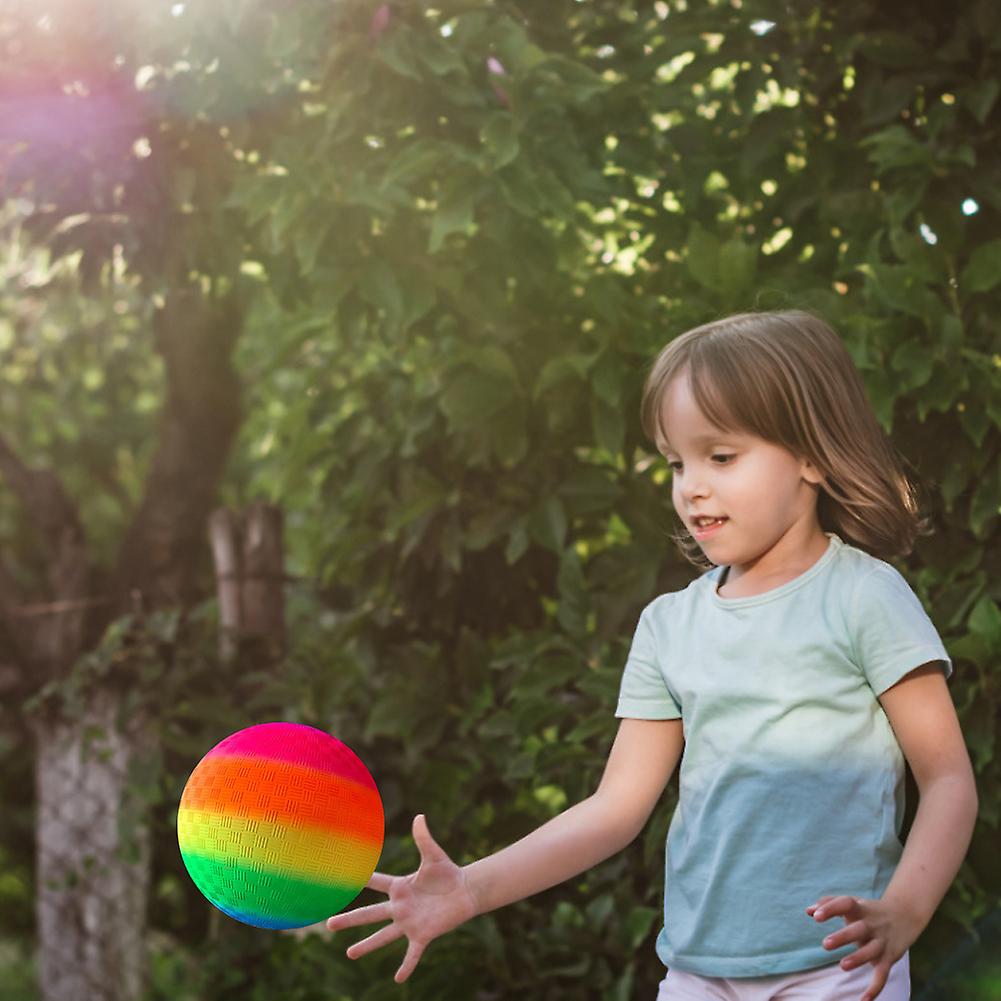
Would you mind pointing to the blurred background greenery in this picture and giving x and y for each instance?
(399, 270)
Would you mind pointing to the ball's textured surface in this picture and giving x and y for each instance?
(280, 825)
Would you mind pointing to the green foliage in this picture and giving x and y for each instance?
(452, 298)
(17, 972)
(489, 750)
(81, 387)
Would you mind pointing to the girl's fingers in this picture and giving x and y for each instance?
(812, 909)
(430, 850)
(380, 881)
(410, 961)
(360, 916)
(868, 953)
(382, 937)
(857, 931)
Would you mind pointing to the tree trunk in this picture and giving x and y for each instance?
(93, 843)
(93, 854)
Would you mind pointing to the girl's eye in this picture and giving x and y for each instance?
(673, 464)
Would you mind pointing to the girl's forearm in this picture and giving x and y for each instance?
(575, 840)
(936, 846)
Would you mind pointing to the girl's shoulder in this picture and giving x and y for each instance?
(864, 568)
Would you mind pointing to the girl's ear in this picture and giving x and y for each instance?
(811, 473)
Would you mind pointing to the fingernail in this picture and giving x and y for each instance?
(818, 914)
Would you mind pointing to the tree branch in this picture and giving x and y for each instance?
(57, 524)
(161, 550)
(41, 494)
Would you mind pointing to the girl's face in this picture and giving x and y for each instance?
(768, 496)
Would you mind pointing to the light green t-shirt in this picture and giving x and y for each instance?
(791, 782)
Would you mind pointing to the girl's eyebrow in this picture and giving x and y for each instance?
(703, 438)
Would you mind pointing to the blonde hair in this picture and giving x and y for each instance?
(787, 377)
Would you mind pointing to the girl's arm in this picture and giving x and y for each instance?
(924, 721)
(440, 895)
(923, 718)
(640, 764)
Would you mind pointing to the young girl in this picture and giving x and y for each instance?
(796, 673)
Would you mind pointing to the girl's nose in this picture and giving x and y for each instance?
(694, 493)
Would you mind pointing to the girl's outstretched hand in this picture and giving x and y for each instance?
(423, 905)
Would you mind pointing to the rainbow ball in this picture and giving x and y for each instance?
(280, 825)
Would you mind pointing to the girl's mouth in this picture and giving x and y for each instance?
(705, 533)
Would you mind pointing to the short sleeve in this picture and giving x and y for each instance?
(891, 632)
(643, 692)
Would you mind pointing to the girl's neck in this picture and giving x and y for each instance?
(731, 586)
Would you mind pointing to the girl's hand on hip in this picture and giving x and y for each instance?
(423, 905)
(884, 929)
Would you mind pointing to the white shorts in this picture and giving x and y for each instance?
(825, 983)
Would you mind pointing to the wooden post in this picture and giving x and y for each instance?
(248, 553)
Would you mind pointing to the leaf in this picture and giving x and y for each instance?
(286, 35)
(580, 82)
(889, 48)
(519, 188)
(392, 714)
(954, 482)
(638, 924)
(561, 367)
(703, 255)
(500, 137)
(420, 494)
(517, 544)
(488, 525)
(453, 215)
(547, 524)
(983, 269)
(609, 377)
(985, 505)
(473, 397)
(509, 436)
(396, 50)
(896, 286)
(571, 613)
(985, 620)
(980, 97)
(737, 266)
(552, 193)
(883, 100)
(895, 147)
(608, 424)
(939, 392)
(418, 295)
(975, 423)
(283, 212)
(914, 360)
(901, 202)
(439, 56)
(881, 388)
(590, 489)
(600, 910)
(980, 731)
(416, 161)
(308, 238)
(379, 287)
(489, 358)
